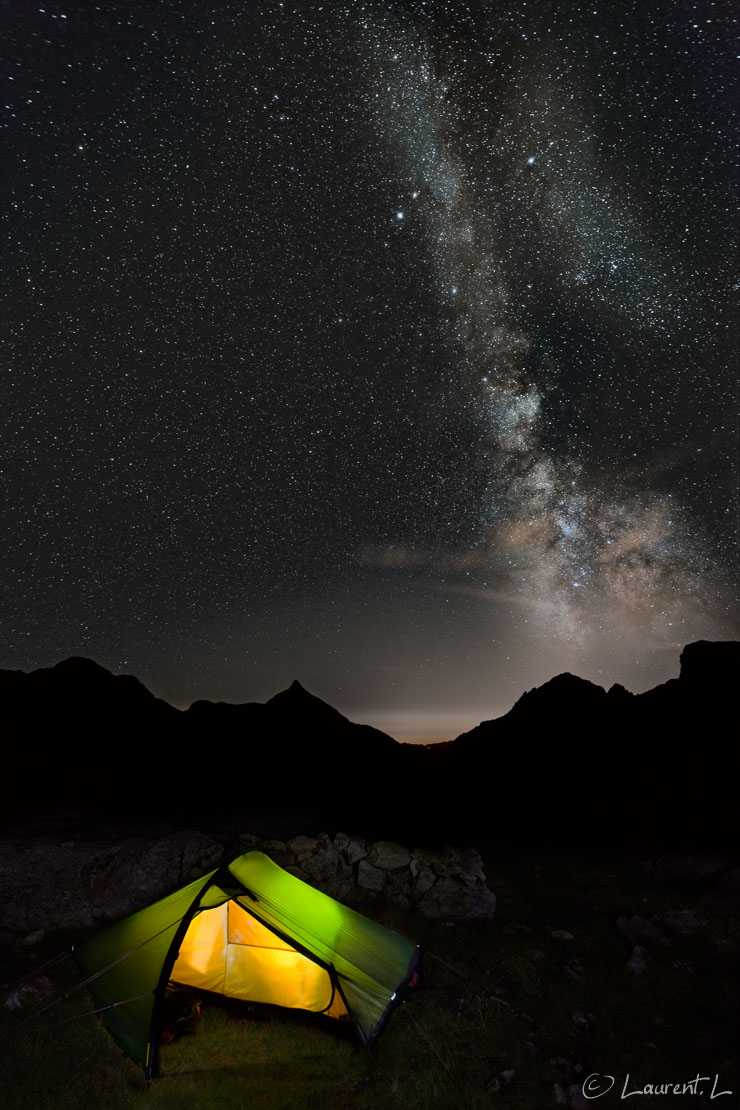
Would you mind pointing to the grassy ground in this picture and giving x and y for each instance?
(517, 1013)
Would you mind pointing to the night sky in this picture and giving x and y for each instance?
(386, 346)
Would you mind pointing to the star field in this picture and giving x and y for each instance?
(389, 346)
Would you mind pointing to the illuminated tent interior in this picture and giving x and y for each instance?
(249, 931)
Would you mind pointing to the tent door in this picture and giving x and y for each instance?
(228, 951)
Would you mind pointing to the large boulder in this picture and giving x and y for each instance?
(77, 885)
(451, 899)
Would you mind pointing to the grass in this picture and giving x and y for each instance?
(539, 996)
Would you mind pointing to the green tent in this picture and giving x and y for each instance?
(248, 930)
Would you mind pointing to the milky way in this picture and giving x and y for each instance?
(574, 531)
(388, 346)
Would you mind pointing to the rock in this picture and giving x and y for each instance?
(422, 858)
(636, 963)
(300, 844)
(449, 898)
(33, 938)
(355, 850)
(638, 930)
(561, 934)
(690, 867)
(559, 1095)
(50, 887)
(370, 877)
(399, 888)
(576, 1100)
(341, 841)
(386, 854)
(277, 851)
(508, 1075)
(493, 1085)
(35, 993)
(683, 922)
(153, 868)
(423, 880)
(472, 864)
(728, 887)
(323, 868)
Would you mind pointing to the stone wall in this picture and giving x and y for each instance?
(446, 884)
(83, 884)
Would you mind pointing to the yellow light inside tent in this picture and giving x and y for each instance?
(228, 951)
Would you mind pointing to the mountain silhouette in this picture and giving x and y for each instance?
(569, 760)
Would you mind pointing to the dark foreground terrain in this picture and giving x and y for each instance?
(621, 965)
(607, 824)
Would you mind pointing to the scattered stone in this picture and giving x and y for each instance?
(508, 1075)
(641, 931)
(493, 1085)
(693, 867)
(559, 1095)
(449, 898)
(636, 963)
(33, 938)
(576, 1098)
(683, 922)
(35, 993)
(729, 886)
(561, 934)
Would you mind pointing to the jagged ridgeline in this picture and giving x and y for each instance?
(569, 762)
